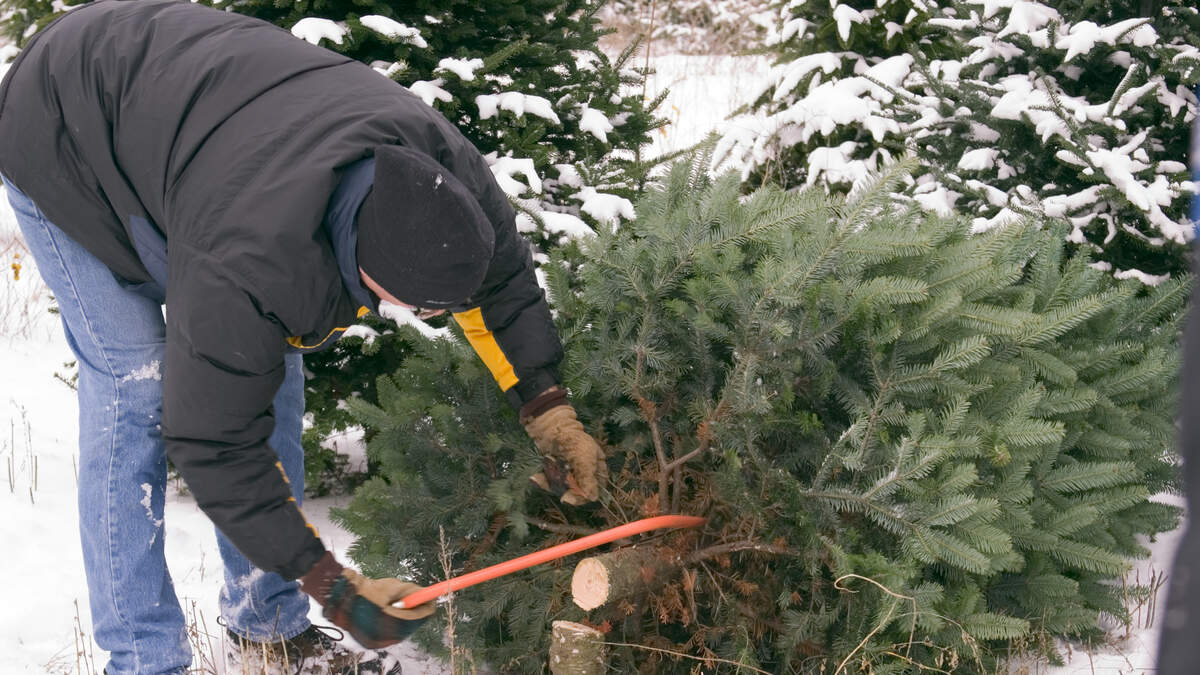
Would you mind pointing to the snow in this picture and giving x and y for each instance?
(1148, 279)
(516, 103)
(363, 331)
(702, 91)
(1119, 166)
(566, 224)
(569, 175)
(406, 317)
(836, 165)
(594, 122)
(430, 91)
(978, 160)
(1085, 35)
(789, 75)
(845, 16)
(503, 168)
(1027, 18)
(605, 208)
(463, 68)
(311, 29)
(391, 28)
(150, 371)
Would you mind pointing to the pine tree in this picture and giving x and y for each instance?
(1079, 112)
(914, 445)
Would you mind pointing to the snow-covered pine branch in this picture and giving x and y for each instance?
(1014, 108)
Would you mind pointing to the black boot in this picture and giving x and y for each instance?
(313, 652)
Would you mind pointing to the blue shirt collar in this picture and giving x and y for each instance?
(341, 225)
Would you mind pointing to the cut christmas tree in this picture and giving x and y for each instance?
(916, 447)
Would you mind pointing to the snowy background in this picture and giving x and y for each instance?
(46, 627)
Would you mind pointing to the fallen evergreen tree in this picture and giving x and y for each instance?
(914, 445)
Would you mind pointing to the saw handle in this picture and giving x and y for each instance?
(546, 555)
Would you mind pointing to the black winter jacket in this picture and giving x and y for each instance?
(222, 137)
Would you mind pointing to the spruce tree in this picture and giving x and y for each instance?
(1081, 112)
(915, 446)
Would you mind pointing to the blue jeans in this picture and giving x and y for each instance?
(118, 338)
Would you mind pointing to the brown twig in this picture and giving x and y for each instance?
(559, 528)
(748, 545)
(489, 540)
(650, 412)
(680, 461)
(898, 596)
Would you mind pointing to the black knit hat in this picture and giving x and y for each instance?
(421, 234)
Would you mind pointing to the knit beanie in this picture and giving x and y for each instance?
(422, 236)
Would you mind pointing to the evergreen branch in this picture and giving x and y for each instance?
(872, 195)
(1090, 476)
(918, 470)
(848, 501)
(1164, 299)
(1059, 321)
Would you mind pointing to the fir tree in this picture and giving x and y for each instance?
(914, 445)
(1081, 112)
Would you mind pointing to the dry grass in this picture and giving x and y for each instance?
(461, 660)
(723, 27)
(25, 300)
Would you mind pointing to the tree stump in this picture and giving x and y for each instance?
(576, 649)
(622, 573)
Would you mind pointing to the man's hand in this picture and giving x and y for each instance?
(361, 606)
(558, 434)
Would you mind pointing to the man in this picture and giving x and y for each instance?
(268, 192)
(1179, 651)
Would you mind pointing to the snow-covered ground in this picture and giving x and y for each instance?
(1133, 652)
(46, 597)
(704, 90)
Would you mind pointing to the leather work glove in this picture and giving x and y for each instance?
(556, 431)
(363, 607)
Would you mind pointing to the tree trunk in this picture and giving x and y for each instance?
(622, 573)
(576, 649)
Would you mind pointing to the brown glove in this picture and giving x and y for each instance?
(552, 424)
(362, 606)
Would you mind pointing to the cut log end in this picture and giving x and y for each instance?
(623, 573)
(589, 584)
(576, 649)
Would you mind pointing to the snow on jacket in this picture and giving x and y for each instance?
(206, 144)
